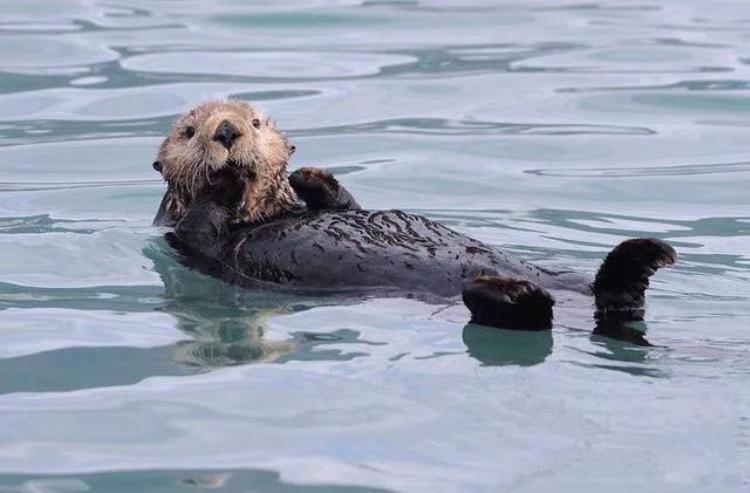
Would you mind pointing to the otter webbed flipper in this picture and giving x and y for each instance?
(620, 285)
(321, 191)
(508, 303)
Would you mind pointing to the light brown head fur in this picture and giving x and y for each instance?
(191, 152)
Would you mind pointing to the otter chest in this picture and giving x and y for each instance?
(339, 250)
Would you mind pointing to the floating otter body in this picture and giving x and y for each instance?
(316, 239)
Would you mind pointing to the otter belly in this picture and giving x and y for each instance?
(371, 251)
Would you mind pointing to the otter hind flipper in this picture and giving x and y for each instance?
(508, 303)
(620, 285)
(321, 191)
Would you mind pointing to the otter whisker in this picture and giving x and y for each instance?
(206, 172)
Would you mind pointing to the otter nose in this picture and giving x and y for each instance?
(226, 133)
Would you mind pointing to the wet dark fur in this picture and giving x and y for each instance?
(320, 190)
(342, 251)
(516, 302)
(357, 252)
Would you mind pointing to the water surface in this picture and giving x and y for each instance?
(554, 129)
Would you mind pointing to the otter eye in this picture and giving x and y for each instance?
(189, 132)
(256, 123)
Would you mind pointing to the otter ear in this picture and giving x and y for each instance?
(290, 148)
(157, 166)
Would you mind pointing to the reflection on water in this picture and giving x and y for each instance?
(553, 128)
(507, 347)
(632, 332)
(226, 324)
(620, 344)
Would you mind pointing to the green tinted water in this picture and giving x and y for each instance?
(552, 128)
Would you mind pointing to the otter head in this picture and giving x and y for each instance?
(218, 134)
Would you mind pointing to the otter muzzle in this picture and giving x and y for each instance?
(226, 133)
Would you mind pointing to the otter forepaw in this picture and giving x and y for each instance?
(226, 186)
(508, 303)
(320, 190)
(620, 285)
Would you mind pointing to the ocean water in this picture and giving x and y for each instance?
(554, 129)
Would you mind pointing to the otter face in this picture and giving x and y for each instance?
(213, 135)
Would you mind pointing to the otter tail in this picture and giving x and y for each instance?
(620, 285)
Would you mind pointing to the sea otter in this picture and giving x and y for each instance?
(238, 215)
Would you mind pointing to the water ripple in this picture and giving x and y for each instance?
(281, 65)
(642, 171)
(552, 129)
(438, 126)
